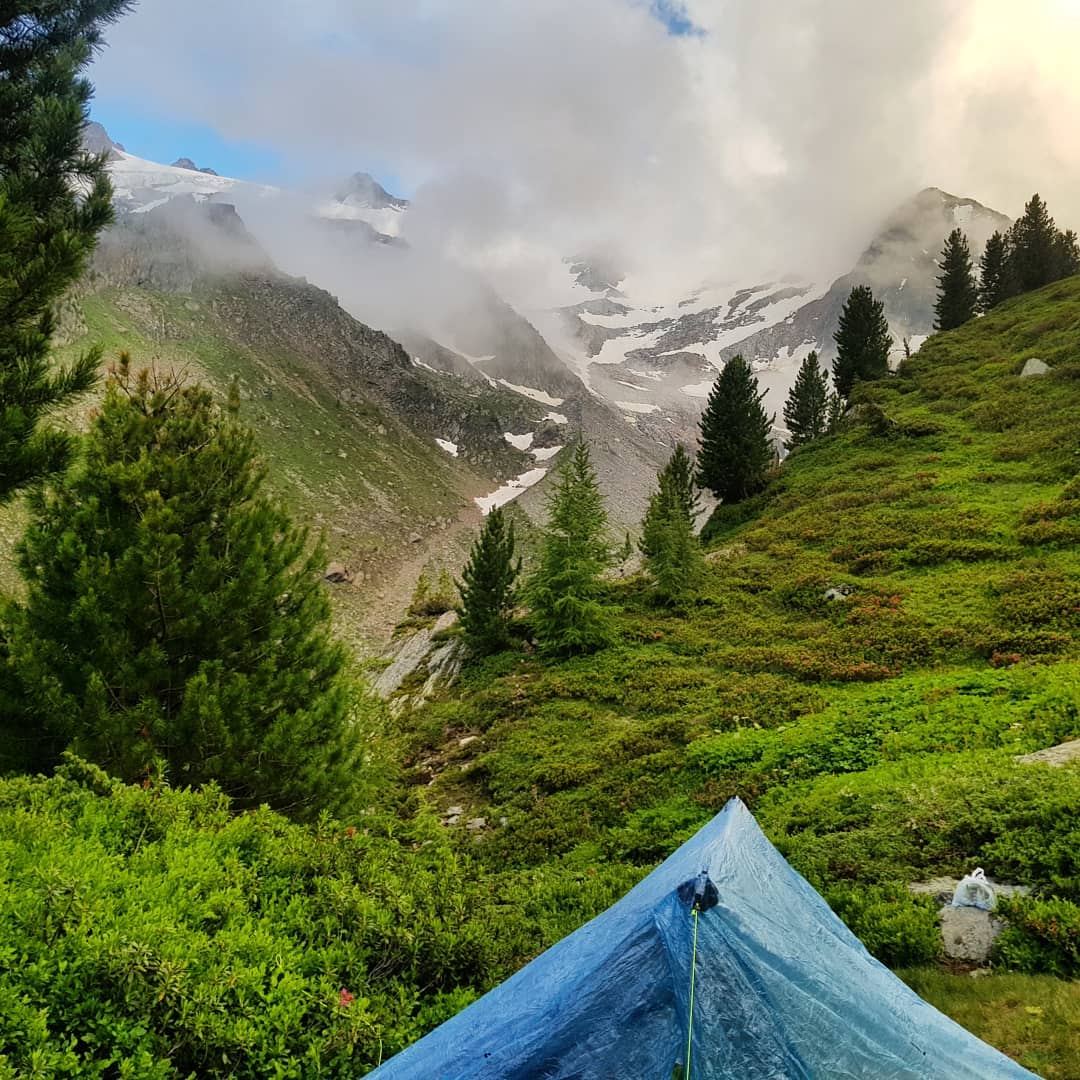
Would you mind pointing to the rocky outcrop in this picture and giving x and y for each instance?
(415, 655)
(1034, 367)
(967, 933)
(187, 163)
(1054, 756)
(95, 140)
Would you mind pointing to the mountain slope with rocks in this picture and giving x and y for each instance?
(658, 359)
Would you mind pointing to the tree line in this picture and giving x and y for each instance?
(1031, 253)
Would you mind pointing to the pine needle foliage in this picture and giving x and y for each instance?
(673, 555)
(958, 295)
(54, 200)
(862, 341)
(487, 585)
(681, 469)
(1034, 251)
(736, 451)
(994, 277)
(566, 594)
(175, 623)
(807, 406)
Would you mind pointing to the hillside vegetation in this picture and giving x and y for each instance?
(150, 932)
(344, 458)
(874, 736)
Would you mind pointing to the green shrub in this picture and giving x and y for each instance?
(728, 516)
(896, 927)
(435, 592)
(1043, 936)
(150, 932)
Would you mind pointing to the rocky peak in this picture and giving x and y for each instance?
(362, 189)
(95, 140)
(187, 163)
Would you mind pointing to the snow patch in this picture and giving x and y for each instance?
(698, 390)
(510, 490)
(522, 442)
(556, 418)
(427, 367)
(637, 407)
(448, 446)
(386, 220)
(544, 453)
(532, 392)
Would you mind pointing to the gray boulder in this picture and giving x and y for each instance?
(1034, 367)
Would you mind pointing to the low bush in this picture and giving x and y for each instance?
(1043, 937)
(895, 926)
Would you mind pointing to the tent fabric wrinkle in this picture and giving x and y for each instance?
(782, 990)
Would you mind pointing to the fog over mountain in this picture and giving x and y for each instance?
(770, 138)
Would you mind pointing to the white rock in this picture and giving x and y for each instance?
(968, 933)
(1053, 755)
(1034, 367)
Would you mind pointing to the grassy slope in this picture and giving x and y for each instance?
(348, 468)
(873, 737)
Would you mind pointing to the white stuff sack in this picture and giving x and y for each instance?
(975, 891)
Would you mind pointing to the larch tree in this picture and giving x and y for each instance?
(681, 469)
(958, 295)
(566, 593)
(54, 200)
(736, 451)
(807, 406)
(862, 341)
(175, 623)
(487, 585)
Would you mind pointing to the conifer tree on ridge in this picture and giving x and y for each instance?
(672, 552)
(958, 297)
(487, 585)
(995, 284)
(862, 341)
(566, 593)
(736, 450)
(806, 409)
(54, 200)
(175, 621)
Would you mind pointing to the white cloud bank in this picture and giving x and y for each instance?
(776, 139)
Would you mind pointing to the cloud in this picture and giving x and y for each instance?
(765, 135)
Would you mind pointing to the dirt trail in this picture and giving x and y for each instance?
(382, 602)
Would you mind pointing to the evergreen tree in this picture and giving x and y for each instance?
(736, 449)
(487, 585)
(672, 552)
(1033, 247)
(958, 296)
(995, 281)
(862, 341)
(1066, 255)
(54, 199)
(806, 409)
(834, 413)
(566, 592)
(681, 470)
(175, 620)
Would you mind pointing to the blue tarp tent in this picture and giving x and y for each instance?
(783, 990)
